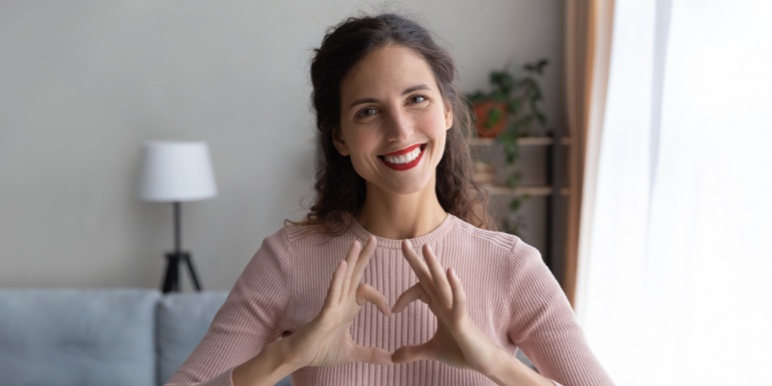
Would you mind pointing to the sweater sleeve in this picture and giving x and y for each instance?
(544, 326)
(246, 322)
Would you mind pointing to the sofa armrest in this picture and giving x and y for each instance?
(183, 320)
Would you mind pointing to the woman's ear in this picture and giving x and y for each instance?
(340, 145)
(448, 116)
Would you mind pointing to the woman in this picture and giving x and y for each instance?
(420, 294)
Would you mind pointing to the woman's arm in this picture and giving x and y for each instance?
(266, 368)
(508, 370)
(324, 341)
(543, 324)
(248, 319)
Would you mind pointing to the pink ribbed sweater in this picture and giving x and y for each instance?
(511, 296)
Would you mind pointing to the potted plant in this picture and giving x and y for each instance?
(508, 111)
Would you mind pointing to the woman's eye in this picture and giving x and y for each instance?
(417, 99)
(366, 112)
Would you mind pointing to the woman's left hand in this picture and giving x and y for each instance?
(457, 342)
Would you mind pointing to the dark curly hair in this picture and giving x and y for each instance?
(340, 191)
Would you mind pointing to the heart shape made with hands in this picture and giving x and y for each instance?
(457, 341)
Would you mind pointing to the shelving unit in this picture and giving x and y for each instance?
(523, 191)
(541, 162)
(525, 141)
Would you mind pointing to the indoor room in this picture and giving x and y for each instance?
(519, 192)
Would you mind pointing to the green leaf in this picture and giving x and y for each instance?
(515, 205)
(540, 65)
(511, 182)
(541, 118)
(506, 139)
(494, 115)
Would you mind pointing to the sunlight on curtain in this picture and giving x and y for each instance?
(676, 284)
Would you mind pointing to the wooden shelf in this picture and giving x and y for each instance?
(522, 190)
(523, 141)
(544, 215)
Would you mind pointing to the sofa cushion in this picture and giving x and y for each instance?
(183, 319)
(77, 337)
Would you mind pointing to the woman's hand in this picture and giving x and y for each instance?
(457, 342)
(326, 340)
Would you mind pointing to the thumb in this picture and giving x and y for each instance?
(373, 355)
(412, 353)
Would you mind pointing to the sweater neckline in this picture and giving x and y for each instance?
(438, 233)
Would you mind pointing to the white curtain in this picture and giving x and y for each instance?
(675, 263)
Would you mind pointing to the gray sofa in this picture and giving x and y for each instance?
(69, 337)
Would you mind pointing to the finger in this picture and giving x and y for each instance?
(459, 296)
(351, 258)
(364, 259)
(412, 353)
(336, 284)
(441, 285)
(419, 267)
(370, 294)
(374, 355)
(412, 294)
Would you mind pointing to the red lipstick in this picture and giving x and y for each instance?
(404, 166)
(403, 151)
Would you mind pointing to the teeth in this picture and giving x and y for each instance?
(403, 159)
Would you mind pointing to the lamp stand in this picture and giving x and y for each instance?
(172, 277)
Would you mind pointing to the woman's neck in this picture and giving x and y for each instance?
(401, 216)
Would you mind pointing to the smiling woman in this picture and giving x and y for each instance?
(398, 114)
(397, 220)
(337, 69)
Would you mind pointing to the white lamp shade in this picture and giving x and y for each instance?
(176, 171)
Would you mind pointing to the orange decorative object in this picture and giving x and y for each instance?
(491, 118)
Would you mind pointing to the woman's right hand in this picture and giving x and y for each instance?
(326, 340)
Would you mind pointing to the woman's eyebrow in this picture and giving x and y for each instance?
(405, 92)
(415, 88)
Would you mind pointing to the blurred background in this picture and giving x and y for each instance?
(662, 233)
(84, 83)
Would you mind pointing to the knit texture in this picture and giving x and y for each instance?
(511, 296)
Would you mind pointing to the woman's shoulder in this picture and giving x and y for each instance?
(293, 234)
(290, 244)
(299, 237)
(504, 243)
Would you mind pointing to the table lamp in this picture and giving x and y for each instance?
(176, 171)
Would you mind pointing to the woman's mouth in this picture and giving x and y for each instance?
(404, 159)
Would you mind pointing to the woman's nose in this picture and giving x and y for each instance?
(399, 127)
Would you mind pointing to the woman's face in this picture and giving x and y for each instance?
(393, 121)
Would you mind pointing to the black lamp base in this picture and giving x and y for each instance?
(172, 278)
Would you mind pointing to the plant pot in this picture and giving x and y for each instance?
(491, 118)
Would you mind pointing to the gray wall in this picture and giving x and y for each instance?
(83, 83)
